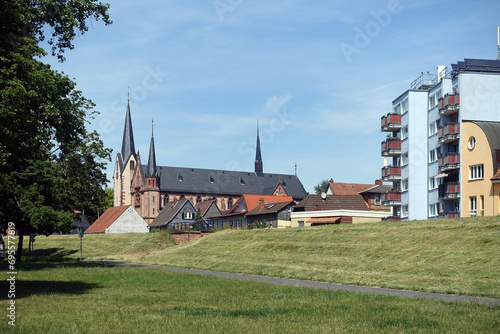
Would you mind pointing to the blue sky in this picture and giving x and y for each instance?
(317, 74)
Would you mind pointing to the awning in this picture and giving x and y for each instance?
(324, 220)
(440, 175)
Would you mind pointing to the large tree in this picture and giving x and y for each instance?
(50, 164)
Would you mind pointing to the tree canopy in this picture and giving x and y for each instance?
(50, 164)
(321, 187)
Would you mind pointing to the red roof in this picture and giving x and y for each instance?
(106, 219)
(496, 176)
(344, 189)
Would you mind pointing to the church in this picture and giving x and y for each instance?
(148, 188)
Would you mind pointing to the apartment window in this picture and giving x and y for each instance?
(404, 106)
(377, 199)
(432, 156)
(473, 206)
(433, 183)
(476, 172)
(404, 211)
(472, 143)
(433, 128)
(432, 101)
(397, 109)
(404, 185)
(405, 159)
(434, 210)
(404, 133)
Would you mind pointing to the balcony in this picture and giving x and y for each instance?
(391, 147)
(449, 104)
(391, 198)
(451, 214)
(449, 190)
(391, 173)
(449, 162)
(449, 133)
(391, 122)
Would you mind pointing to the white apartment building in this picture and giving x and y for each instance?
(442, 150)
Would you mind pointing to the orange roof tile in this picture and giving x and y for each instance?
(496, 176)
(349, 188)
(252, 201)
(106, 219)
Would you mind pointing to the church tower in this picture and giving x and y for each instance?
(151, 203)
(125, 165)
(259, 169)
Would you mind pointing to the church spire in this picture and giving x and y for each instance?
(258, 157)
(151, 171)
(128, 147)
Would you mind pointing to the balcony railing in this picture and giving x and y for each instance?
(391, 173)
(450, 214)
(391, 147)
(391, 198)
(449, 190)
(390, 122)
(449, 133)
(449, 161)
(449, 104)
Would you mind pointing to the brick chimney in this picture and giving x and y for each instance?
(378, 182)
(262, 204)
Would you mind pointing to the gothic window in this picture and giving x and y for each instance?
(229, 203)
(131, 165)
(198, 199)
(137, 199)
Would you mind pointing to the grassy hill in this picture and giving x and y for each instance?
(456, 256)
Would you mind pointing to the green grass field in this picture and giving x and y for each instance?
(77, 297)
(55, 293)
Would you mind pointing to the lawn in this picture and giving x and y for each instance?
(73, 297)
(454, 256)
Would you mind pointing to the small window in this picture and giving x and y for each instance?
(476, 172)
(179, 177)
(242, 182)
(473, 206)
(131, 165)
(211, 179)
(472, 143)
(404, 185)
(405, 158)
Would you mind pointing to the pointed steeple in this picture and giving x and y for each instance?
(151, 171)
(128, 147)
(258, 157)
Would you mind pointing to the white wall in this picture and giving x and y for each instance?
(479, 96)
(129, 222)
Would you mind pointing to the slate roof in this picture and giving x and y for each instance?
(106, 219)
(332, 202)
(269, 208)
(128, 147)
(222, 182)
(169, 211)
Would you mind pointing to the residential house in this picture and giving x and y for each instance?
(120, 219)
(173, 214)
(274, 214)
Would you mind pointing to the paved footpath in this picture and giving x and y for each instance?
(322, 285)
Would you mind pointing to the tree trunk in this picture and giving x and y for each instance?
(19, 254)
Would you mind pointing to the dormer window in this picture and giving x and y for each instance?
(179, 177)
(211, 179)
(242, 182)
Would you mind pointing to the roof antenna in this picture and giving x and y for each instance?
(498, 42)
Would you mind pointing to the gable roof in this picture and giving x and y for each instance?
(169, 211)
(270, 208)
(106, 219)
(252, 201)
(223, 182)
(348, 188)
(332, 202)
